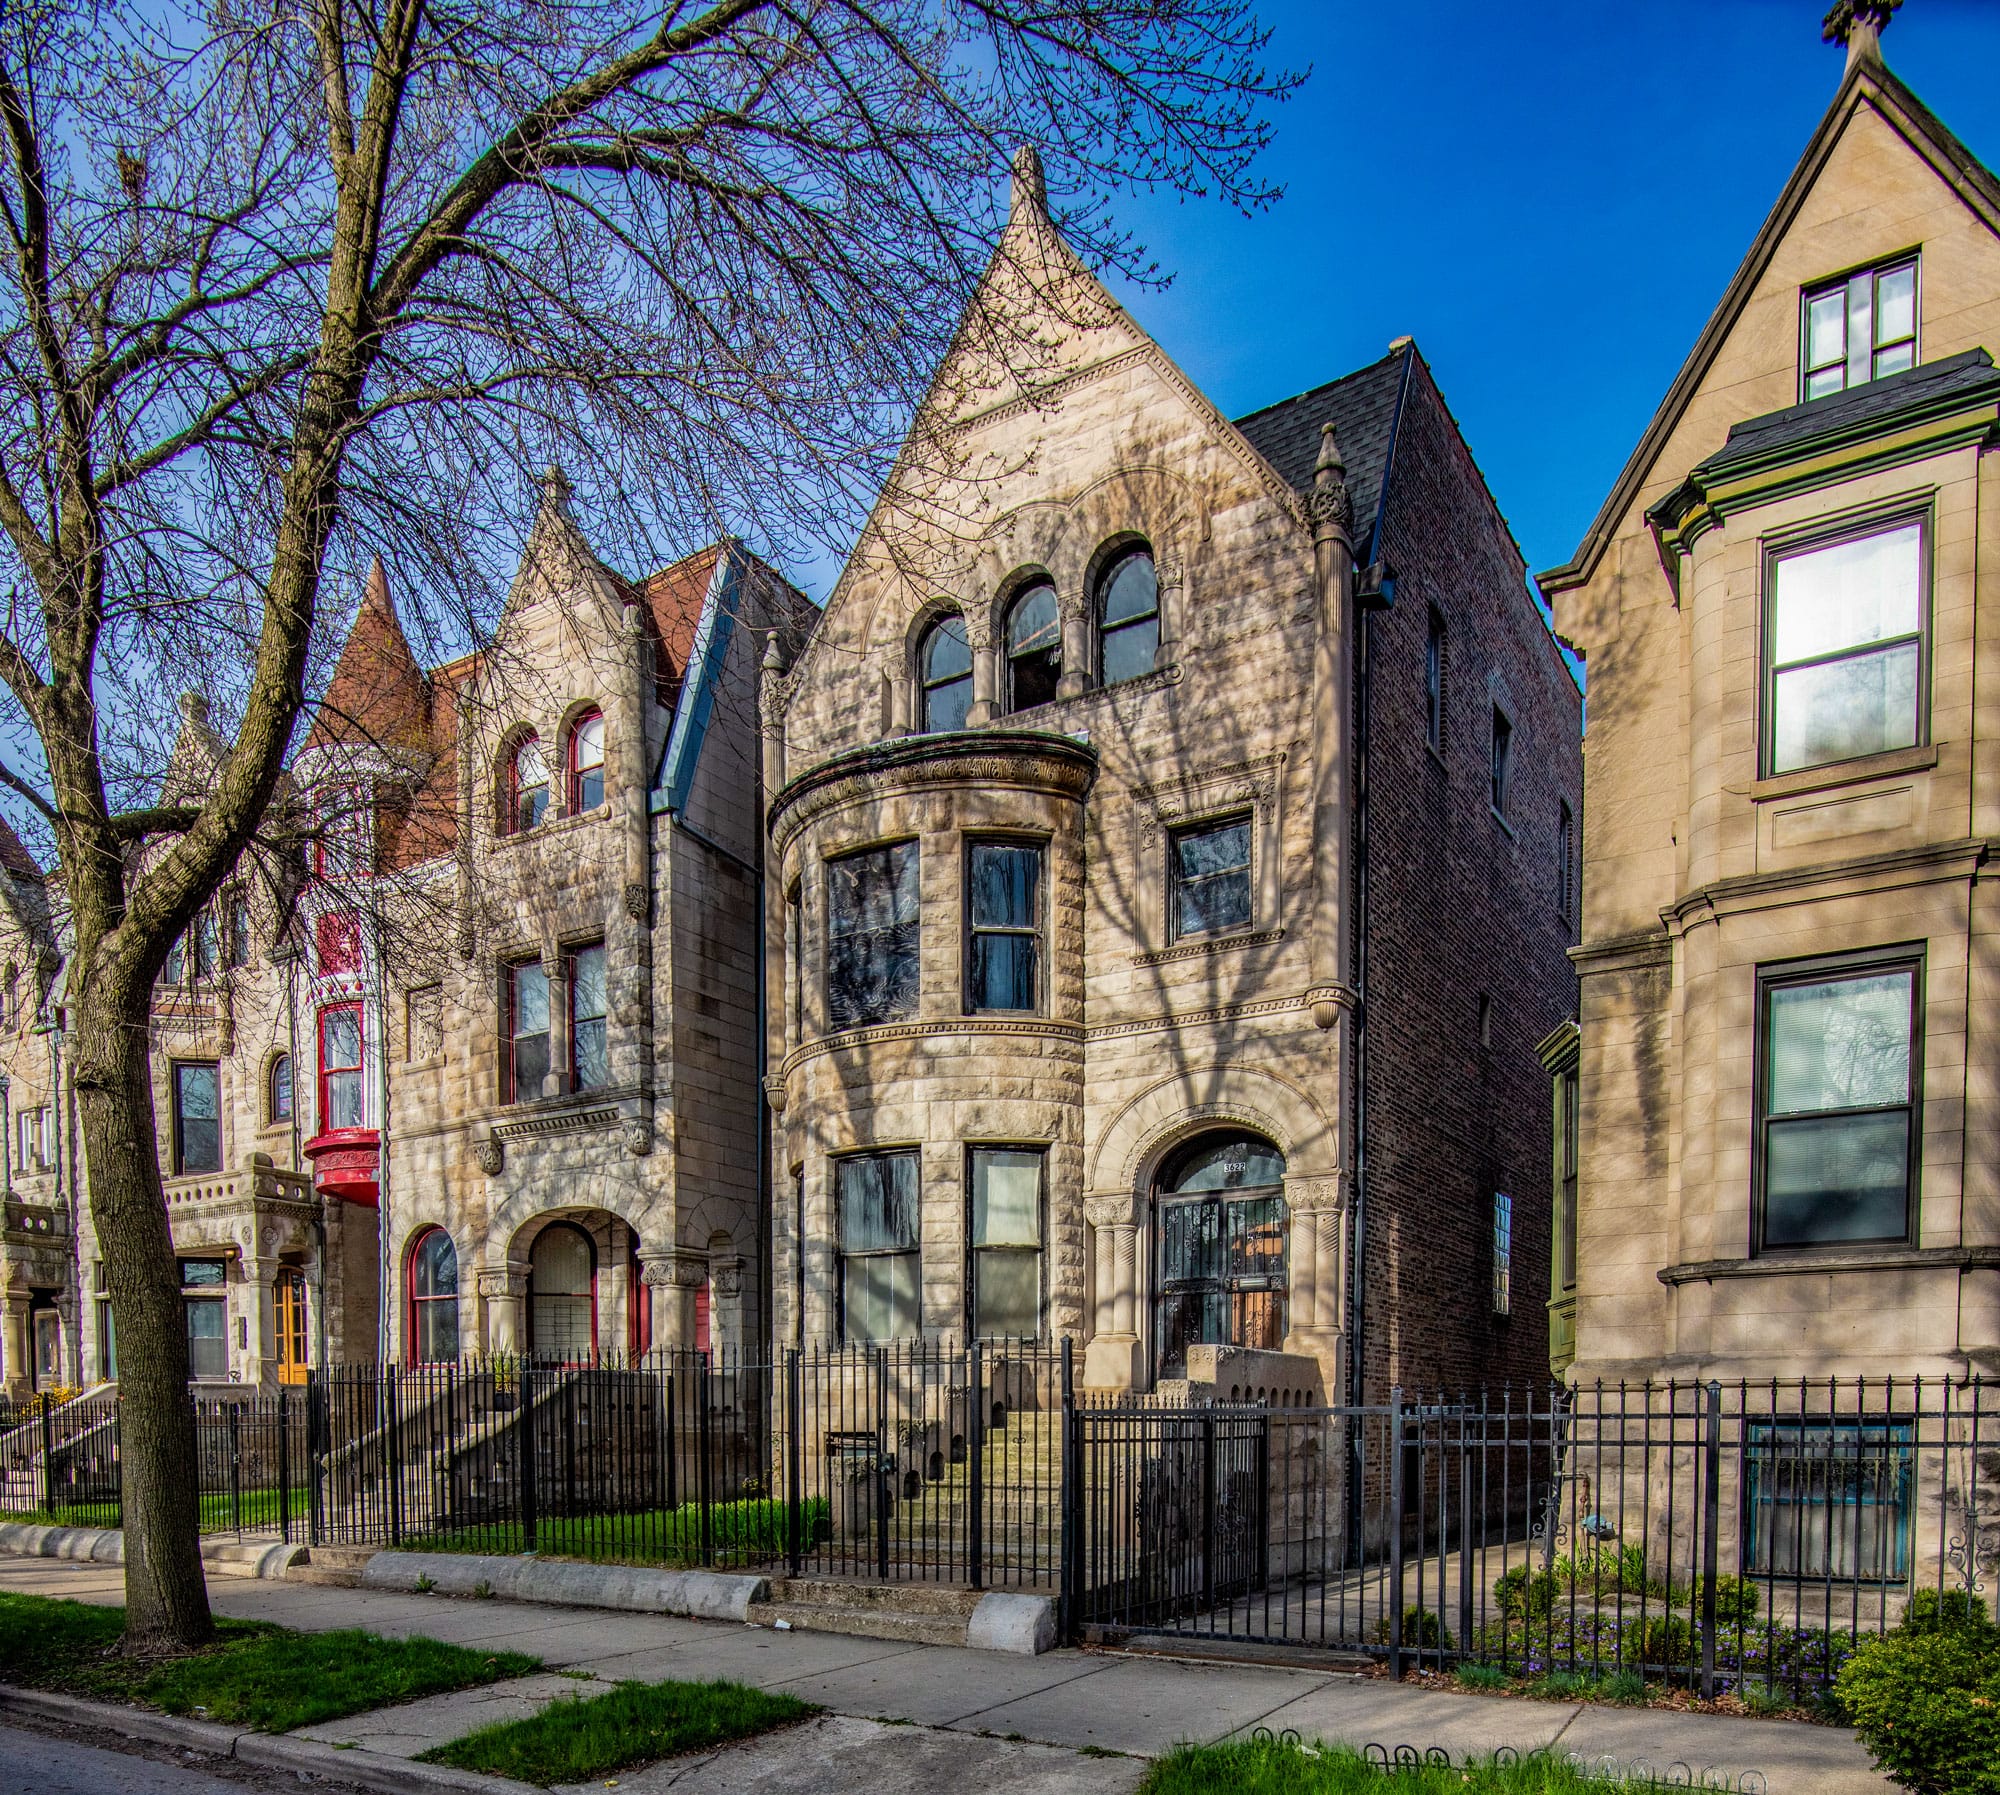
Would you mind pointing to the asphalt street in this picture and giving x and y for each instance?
(59, 1761)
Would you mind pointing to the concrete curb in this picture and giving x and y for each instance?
(375, 1771)
(106, 1545)
(702, 1595)
(1001, 1622)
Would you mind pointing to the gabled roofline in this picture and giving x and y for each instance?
(1867, 82)
(674, 779)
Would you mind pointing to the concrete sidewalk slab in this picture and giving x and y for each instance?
(1147, 1706)
(839, 1755)
(754, 1655)
(411, 1727)
(940, 1685)
(1362, 1711)
(1793, 1759)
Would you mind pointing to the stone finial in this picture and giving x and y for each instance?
(1859, 25)
(1329, 467)
(194, 709)
(556, 488)
(1030, 189)
(774, 660)
(1329, 505)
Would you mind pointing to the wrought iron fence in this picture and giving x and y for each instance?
(1723, 1536)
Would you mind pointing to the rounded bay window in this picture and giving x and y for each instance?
(1219, 1223)
(944, 671)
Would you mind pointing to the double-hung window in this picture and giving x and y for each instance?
(205, 1307)
(1007, 1243)
(872, 907)
(1858, 328)
(341, 1103)
(1210, 864)
(527, 1042)
(1837, 1090)
(1003, 925)
(586, 763)
(197, 1087)
(1844, 635)
(880, 1268)
(1501, 761)
(589, 1005)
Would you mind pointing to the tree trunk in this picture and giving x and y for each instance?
(166, 1595)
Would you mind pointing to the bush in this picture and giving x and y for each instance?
(1925, 1701)
(1945, 1611)
(1482, 1676)
(1662, 1639)
(1423, 1631)
(1522, 1593)
(1736, 1601)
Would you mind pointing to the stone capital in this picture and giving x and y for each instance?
(674, 1270)
(1120, 1210)
(1317, 1195)
(502, 1281)
(728, 1277)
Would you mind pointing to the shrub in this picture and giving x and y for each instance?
(1662, 1639)
(1736, 1601)
(1945, 1611)
(1925, 1701)
(1423, 1631)
(1482, 1676)
(1524, 1593)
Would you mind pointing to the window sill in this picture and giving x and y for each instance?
(1817, 1261)
(1846, 772)
(556, 825)
(1501, 819)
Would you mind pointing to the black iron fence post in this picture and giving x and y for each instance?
(395, 1400)
(524, 1451)
(49, 1456)
(284, 1469)
(236, 1467)
(704, 1467)
(1071, 1532)
(315, 1458)
(1465, 1559)
(1711, 1523)
(975, 1466)
(1208, 1510)
(1396, 1500)
(882, 1467)
(794, 1464)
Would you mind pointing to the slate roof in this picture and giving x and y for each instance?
(1362, 407)
(1969, 375)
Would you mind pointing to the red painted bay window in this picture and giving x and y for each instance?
(341, 1098)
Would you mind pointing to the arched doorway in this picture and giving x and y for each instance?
(289, 1324)
(562, 1294)
(1219, 1229)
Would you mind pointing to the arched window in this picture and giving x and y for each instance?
(586, 763)
(945, 667)
(527, 787)
(1220, 1214)
(434, 1299)
(278, 1098)
(1128, 618)
(1034, 647)
(562, 1294)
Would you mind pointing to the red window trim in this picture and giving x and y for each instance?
(319, 1056)
(412, 1299)
(570, 956)
(512, 1006)
(572, 773)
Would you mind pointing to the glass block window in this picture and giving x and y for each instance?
(1210, 867)
(589, 1009)
(876, 1195)
(1827, 1499)
(1837, 1105)
(1858, 329)
(1007, 1242)
(1503, 1253)
(1003, 925)
(1844, 633)
(872, 911)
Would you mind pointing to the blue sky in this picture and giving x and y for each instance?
(1549, 196)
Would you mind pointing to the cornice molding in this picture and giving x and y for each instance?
(1950, 862)
(1069, 1034)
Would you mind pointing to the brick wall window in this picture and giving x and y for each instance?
(1837, 1094)
(1501, 761)
(944, 664)
(197, 1095)
(1003, 904)
(1565, 861)
(1209, 864)
(1034, 647)
(527, 787)
(1503, 1253)
(872, 955)
(342, 1103)
(1434, 672)
(880, 1271)
(1128, 618)
(589, 1008)
(1858, 328)
(1844, 647)
(586, 763)
(525, 1059)
(1006, 1280)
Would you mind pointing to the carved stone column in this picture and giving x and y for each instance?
(725, 1315)
(1171, 573)
(556, 970)
(1111, 1360)
(1318, 1209)
(674, 1274)
(985, 704)
(15, 1364)
(255, 1301)
(1073, 609)
(502, 1289)
(773, 696)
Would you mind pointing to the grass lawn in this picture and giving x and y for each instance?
(217, 1512)
(259, 1677)
(753, 1528)
(1264, 1767)
(574, 1741)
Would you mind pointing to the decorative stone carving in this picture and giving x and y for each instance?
(1327, 1002)
(775, 1094)
(729, 1278)
(1313, 1196)
(1330, 507)
(637, 903)
(489, 1154)
(1110, 1212)
(504, 1282)
(638, 1136)
(672, 1273)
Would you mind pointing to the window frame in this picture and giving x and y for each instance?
(1502, 1251)
(1566, 900)
(1213, 823)
(1500, 761)
(572, 1074)
(1761, 1451)
(1168, 1193)
(1037, 931)
(973, 1248)
(842, 1253)
(274, 1111)
(1873, 272)
(1793, 544)
(1104, 630)
(1009, 659)
(175, 1069)
(1824, 969)
(834, 1025)
(536, 1299)
(510, 815)
(574, 772)
(324, 1074)
(510, 1001)
(1436, 672)
(926, 685)
(415, 1301)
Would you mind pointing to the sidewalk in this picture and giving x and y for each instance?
(1066, 1699)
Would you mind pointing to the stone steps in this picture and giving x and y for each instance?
(915, 1613)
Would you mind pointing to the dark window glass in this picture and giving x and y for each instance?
(1502, 759)
(1006, 1243)
(204, 1274)
(434, 1299)
(1222, 1232)
(1838, 1101)
(239, 932)
(175, 970)
(562, 1293)
(527, 1031)
(281, 1088)
(341, 1102)
(872, 911)
(1565, 859)
(1034, 648)
(527, 786)
(1434, 683)
(207, 1338)
(1128, 619)
(1211, 877)
(197, 1118)
(586, 763)
(1004, 900)
(946, 665)
(1566, 1160)
(1858, 329)
(1828, 1500)
(589, 1006)
(1845, 649)
(205, 955)
(877, 1198)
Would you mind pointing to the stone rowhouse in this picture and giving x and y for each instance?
(1790, 1078)
(1109, 733)
(482, 1076)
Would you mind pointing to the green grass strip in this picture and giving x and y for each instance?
(1266, 1767)
(258, 1677)
(572, 1741)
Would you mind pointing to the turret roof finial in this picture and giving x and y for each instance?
(1859, 25)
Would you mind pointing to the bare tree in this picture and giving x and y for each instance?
(292, 283)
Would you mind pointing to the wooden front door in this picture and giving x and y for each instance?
(291, 1326)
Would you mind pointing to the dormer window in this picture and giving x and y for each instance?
(586, 763)
(1858, 329)
(527, 787)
